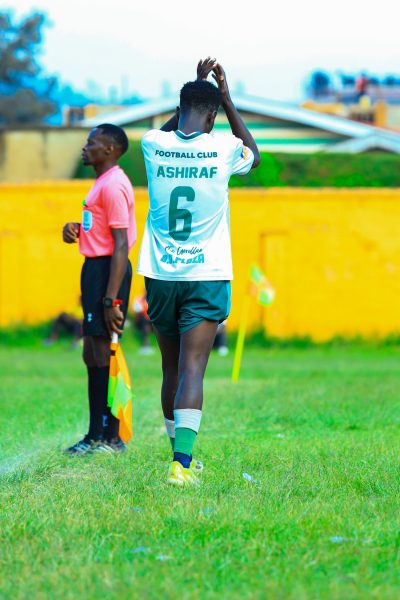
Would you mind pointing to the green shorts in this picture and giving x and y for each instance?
(177, 306)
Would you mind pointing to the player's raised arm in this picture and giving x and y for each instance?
(172, 123)
(238, 127)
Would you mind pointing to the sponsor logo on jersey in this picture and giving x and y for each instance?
(87, 220)
(180, 250)
(245, 153)
(171, 260)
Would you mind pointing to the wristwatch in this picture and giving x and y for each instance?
(111, 302)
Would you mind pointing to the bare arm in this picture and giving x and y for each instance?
(236, 122)
(119, 261)
(172, 123)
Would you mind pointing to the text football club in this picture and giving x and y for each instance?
(171, 154)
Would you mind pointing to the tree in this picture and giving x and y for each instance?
(25, 93)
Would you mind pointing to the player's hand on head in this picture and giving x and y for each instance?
(113, 318)
(70, 233)
(205, 67)
(220, 78)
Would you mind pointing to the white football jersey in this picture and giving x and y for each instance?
(187, 233)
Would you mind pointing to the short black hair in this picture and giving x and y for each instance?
(200, 95)
(117, 134)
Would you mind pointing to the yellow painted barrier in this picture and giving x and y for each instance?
(333, 256)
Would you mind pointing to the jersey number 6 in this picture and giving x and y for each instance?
(177, 215)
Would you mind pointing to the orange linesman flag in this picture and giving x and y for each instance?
(120, 390)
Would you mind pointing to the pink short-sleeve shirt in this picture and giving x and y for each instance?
(109, 205)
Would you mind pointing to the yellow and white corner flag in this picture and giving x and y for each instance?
(261, 289)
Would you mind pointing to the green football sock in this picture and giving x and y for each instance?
(184, 440)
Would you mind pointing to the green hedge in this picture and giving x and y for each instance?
(291, 170)
(132, 162)
(324, 170)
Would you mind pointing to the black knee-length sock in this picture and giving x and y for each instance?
(97, 391)
(111, 425)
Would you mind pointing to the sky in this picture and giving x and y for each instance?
(268, 47)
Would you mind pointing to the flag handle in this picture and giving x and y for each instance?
(114, 337)
(237, 361)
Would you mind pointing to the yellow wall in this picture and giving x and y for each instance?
(332, 255)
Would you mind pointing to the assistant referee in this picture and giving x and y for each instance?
(106, 235)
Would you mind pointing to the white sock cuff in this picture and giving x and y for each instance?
(190, 418)
(170, 427)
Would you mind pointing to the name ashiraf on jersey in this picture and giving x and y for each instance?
(187, 233)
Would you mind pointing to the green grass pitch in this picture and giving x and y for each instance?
(316, 430)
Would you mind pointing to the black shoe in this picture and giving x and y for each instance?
(114, 446)
(84, 446)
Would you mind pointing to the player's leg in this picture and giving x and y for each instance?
(76, 332)
(221, 341)
(57, 326)
(96, 358)
(145, 329)
(162, 310)
(169, 347)
(96, 353)
(111, 440)
(202, 305)
(103, 426)
(195, 348)
(92, 283)
(72, 326)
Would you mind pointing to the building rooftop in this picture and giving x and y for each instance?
(373, 137)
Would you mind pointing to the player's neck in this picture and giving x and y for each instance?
(103, 167)
(192, 123)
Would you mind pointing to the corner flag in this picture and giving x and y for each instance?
(260, 287)
(264, 293)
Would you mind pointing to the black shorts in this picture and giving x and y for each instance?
(94, 281)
